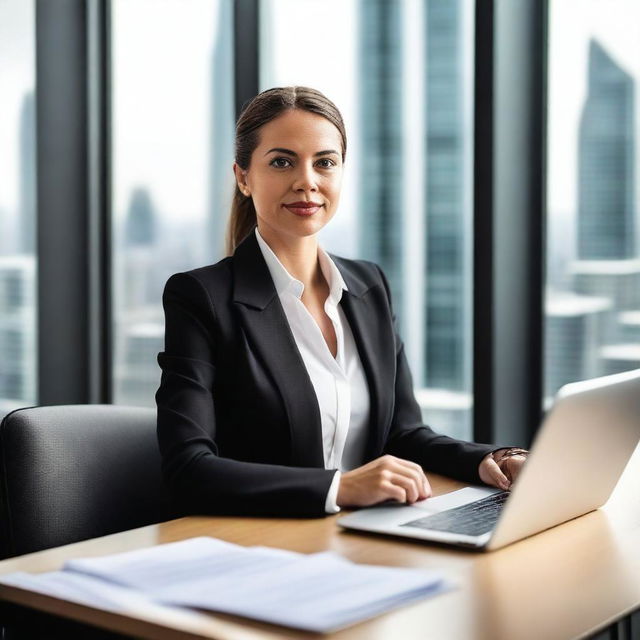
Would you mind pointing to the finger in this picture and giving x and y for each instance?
(512, 467)
(415, 472)
(393, 491)
(411, 488)
(498, 479)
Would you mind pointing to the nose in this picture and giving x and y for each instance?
(305, 179)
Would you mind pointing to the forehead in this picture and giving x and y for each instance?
(300, 130)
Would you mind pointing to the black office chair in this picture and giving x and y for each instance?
(73, 472)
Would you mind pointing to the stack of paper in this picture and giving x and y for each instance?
(318, 592)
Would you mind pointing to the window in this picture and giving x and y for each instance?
(593, 243)
(173, 127)
(407, 194)
(18, 355)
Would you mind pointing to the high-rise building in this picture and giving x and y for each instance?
(18, 346)
(221, 136)
(137, 301)
(575, 328)
(583, 339)
(606, 159)
(629, 323)
(140, 222)
(446, 297)
(618, 280)
(617, 358)
(382, 174)
(387, 213)
(137, 268)
(137, 374)
(27, 193)
(380, 113)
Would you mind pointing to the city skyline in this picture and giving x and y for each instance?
(426, 257)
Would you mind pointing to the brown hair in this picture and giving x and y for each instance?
(267, 106)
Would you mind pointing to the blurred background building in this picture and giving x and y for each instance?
(590, 310)
(401, 72)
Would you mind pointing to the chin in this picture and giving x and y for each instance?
(305, 227)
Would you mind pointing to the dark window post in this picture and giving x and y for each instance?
(246, 20)
(509, 219)
(72, 187)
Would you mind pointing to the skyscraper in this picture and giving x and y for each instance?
(388, 200)
(17, 332)
(447, 301)
(221, 135)
(139, 284)
(575, 327)
(138, 314)
(382, 174)
(608, 267)
(27, 195)
(140, 222)
(380, 113)
(606, 158)
(137, 375)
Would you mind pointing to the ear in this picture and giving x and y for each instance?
(241, 179)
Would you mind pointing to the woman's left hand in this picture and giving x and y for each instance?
(499, 472)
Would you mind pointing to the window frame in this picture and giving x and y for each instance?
(74, 218)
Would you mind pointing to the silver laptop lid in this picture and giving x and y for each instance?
(577, 458)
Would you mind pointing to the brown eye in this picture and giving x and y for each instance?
(275, 161)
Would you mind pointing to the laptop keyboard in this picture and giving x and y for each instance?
(472, 519)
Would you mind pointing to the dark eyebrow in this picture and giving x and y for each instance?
(295, 155)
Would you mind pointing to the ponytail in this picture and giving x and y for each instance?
(241, 221)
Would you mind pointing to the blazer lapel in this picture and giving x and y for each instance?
(376, 350)
(268, 330)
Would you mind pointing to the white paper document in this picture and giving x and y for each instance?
(319, 592)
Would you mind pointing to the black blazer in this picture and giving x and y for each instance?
(238, 419)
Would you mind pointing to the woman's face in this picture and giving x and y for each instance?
(298, 160)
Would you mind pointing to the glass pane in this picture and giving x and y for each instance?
(173, 126)
(593, 282)
(18, 346)
(400, 71)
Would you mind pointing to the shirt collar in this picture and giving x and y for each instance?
(284, 281)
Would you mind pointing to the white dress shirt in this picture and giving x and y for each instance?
(339, 383)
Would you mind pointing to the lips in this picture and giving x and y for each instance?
(303, 208)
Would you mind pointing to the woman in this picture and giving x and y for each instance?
(285, 387)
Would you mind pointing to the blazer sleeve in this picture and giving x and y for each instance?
(412, 440)
(200, 479)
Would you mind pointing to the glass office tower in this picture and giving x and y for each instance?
(434, 309)
(606, 162)
(18, 265)
(593, 276)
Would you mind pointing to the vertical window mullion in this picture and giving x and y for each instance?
(509, 220)
(72, 280)
(246, 20)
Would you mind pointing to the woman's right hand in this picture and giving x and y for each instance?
(385, 478)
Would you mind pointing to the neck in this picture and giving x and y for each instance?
(299, 256)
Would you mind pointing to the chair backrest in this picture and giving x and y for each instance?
(72, 472)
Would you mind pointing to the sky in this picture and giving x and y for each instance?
(162, 82)
(161, 101)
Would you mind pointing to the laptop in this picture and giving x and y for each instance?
(579, 454)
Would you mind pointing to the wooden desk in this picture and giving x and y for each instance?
(564, 583)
